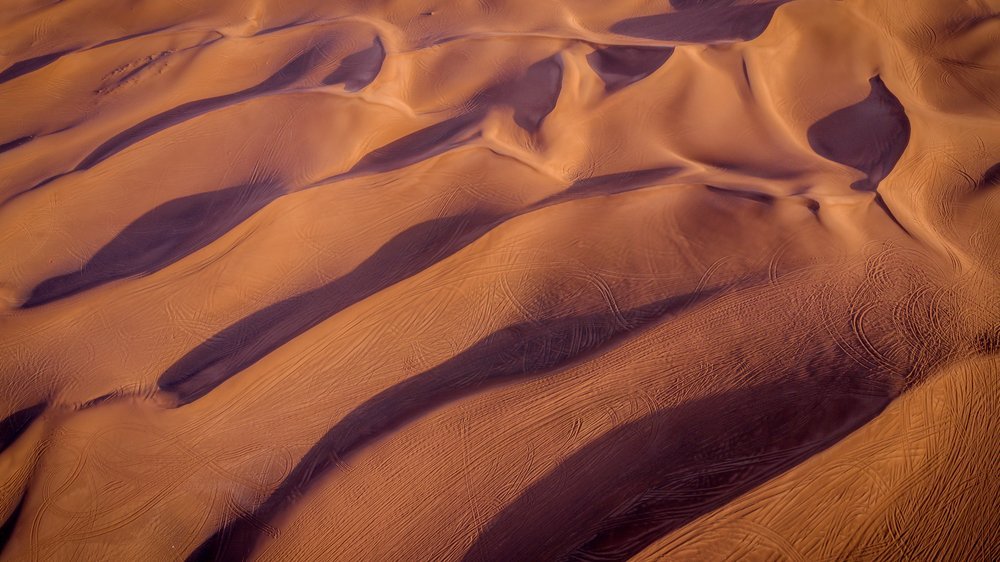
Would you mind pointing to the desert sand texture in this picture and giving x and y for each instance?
(499, 280)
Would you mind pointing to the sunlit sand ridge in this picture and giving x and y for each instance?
(499, 280)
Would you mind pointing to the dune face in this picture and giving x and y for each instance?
(621, 66)
(868, 136)
(505, 280)
(703, 22)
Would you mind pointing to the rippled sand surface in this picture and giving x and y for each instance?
(500, 280)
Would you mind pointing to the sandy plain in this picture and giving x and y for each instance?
(499, 280)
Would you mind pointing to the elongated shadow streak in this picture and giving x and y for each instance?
(702, 23)
(7, 529)
(647, 478)
(695, 4)
(284, 77)
(519, 351)
(23, 67)
(611, 184)
(621, 66)
(869, 136)
(532, 96)
(159, 238)
(242, 344)
(15, 143)
(182, 226)
(11, 428)
(15, 424)
(245, 342)
(419, 145)
(991, 177)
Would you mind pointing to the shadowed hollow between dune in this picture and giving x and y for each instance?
(511, 354)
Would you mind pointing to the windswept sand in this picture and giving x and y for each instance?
(500, 280)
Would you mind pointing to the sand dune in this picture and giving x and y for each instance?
(499, 280)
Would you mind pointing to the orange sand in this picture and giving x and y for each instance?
(499, 280)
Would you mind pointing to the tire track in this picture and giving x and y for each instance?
(676, 472)
(513, 353)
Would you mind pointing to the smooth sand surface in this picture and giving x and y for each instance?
(500, 280)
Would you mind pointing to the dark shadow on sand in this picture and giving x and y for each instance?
(359, 69)
(284, 77)
(237, 347)
(26, 66)
(534, 95)
(991, 177)
(182, 226)
(244, 343)
(611, 184)
(645, 479)
(419, 145)
(513, 353)
(868, 136)
(620, 66)
(15, 143)
(11, 428)
(15, 424)
(7, 529)
(702, 22)
(159, 238)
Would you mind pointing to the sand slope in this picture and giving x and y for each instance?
(499, 280)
